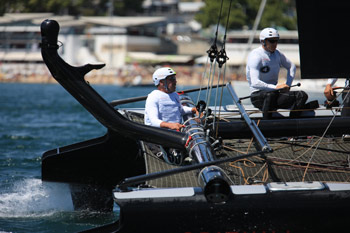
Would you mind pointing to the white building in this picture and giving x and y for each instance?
(112, 38)
(83, 40)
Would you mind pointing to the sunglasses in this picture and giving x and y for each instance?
(171, 78)
(272, 41)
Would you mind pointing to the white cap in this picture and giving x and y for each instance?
(162, 73)
(269, 33)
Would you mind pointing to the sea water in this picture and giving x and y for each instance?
(35, 118)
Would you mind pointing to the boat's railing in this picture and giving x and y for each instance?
(115, 103)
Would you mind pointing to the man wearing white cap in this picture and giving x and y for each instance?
(262, 72)
(163, 108)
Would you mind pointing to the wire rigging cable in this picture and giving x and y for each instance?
(212, 53)
(216, 57)
(221, 59)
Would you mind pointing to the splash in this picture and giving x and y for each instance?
(34, 198)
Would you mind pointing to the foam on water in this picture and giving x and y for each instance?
(34, 198)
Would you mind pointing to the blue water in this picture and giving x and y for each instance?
(35, 118)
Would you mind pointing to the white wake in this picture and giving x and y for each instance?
(34, 198)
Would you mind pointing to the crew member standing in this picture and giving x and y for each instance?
(262, 72)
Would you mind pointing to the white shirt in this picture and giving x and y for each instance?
(263, 68)
(161, 106)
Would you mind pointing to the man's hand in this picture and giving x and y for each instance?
(284, 87)
(195, 111)
(328, 92)
(173, 126)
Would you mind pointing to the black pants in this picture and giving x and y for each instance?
(270, 101)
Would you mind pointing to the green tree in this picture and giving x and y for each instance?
(279, 14)
(75, 7)
(125, 7)
(210, 13)
(243, 12)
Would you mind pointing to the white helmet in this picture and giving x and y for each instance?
(162, 73)
(268, 33)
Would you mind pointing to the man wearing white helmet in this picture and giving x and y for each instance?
(163, 108)
(262, 72)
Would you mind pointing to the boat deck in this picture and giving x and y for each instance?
(292, 160)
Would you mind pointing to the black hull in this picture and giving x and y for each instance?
(93, 168)
(273, 211)
(286, 127)
(93, 162)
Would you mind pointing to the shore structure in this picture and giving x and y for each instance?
(37, 73)
(131, 47)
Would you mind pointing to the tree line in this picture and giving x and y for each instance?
(73, 7)
(277, 13)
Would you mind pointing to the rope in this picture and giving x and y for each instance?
(216, 96)
(217, 25)
(250, 164)
(312, 167)
(203, 76)
(232, 164)
(221, 60)
(220, 104)
(212, 54)
(330, 123)
(336, 165)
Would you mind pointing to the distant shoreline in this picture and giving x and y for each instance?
(107, 80)
(186, 76)
(315, 85)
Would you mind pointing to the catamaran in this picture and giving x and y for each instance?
(235, 172)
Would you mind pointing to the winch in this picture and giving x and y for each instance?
(212, 179)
